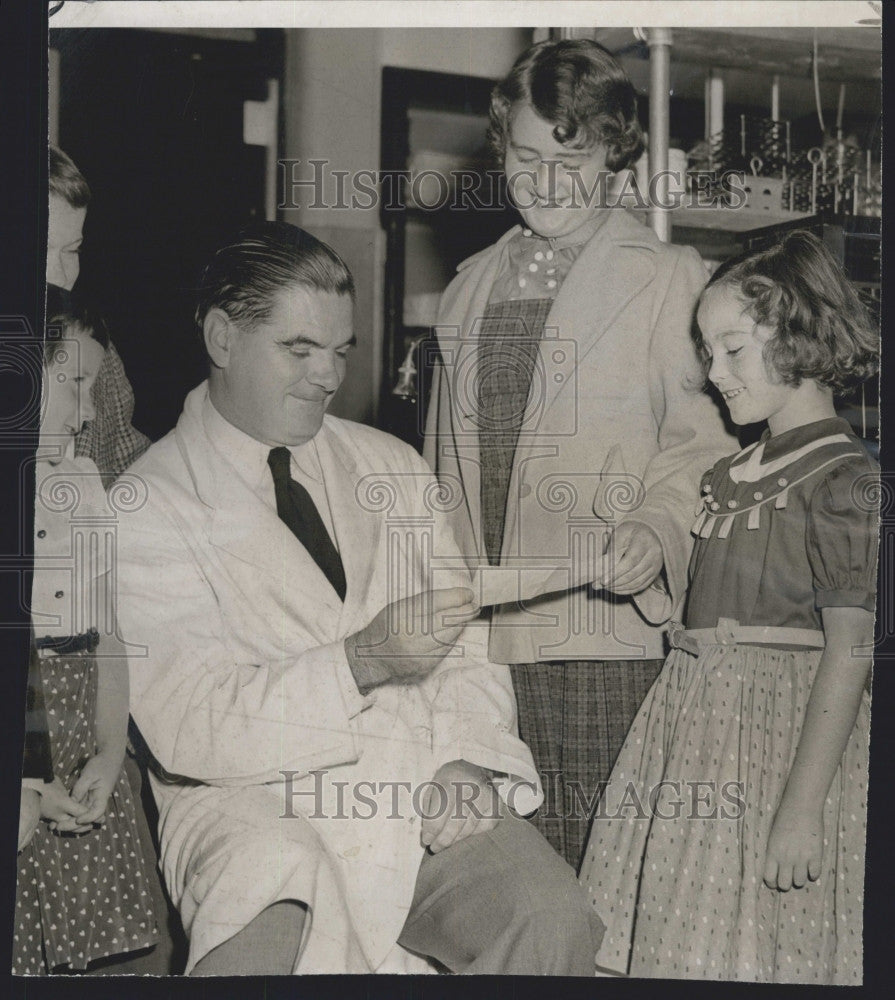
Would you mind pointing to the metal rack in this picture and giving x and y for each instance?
(840, 179)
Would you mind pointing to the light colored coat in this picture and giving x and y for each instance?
(616, 428)
(243, 675)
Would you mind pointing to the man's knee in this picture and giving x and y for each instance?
(552, 890)
(504, 902)
(550, 927)
(570, 926)
(539, 873)
(266, 946)
(551, 909)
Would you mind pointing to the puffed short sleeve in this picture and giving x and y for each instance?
(843, 534)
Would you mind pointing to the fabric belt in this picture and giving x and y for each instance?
(729, 632)
(65, 645)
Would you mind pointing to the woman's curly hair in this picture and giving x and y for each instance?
(578, 86)
(823, 329)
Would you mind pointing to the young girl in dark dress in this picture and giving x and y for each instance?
(729, 843)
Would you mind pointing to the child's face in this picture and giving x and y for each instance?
(67, 385)
(65, 229)
(735, 342)
(554, 188)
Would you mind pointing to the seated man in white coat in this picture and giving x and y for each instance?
(335, 760)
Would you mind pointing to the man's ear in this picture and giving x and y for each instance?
(218, 331)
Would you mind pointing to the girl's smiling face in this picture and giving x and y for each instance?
(67, 383)
(555, 187)
(735, 343)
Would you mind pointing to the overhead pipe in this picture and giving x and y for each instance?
(659, 41)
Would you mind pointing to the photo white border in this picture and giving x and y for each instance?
(454, 13)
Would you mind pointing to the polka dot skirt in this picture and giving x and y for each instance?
(676, 851)
(80, 897)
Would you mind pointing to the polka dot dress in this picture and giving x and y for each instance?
(80, 897)
(676, 851)
(693, 795)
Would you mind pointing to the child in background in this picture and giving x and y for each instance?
(82, 891)
(109, 439)
(729, 843)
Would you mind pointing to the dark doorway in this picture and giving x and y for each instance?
(154, 121)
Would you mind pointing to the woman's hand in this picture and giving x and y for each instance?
(632, 560)
(795, 848)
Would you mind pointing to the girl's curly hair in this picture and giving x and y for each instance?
(578, 86)
(65, 318)
(823, 330)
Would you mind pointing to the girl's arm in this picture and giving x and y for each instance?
(112, 696)
(100, 773)
(112, 699)
(795, 845)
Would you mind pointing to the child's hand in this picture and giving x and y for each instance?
(94, 786)
(29, 816)
(795, 848)
(59, 808)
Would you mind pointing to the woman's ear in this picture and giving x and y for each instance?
(218, 331)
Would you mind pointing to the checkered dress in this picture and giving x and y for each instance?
(109, 439)
(573, 715)
(507, 352)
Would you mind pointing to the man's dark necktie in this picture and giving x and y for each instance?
(299, 513)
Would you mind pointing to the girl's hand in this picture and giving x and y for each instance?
(94, 786)
(795, 848)
(58, 807)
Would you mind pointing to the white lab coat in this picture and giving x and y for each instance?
(238, 673)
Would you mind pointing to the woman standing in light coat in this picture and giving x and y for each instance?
(568, 404)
